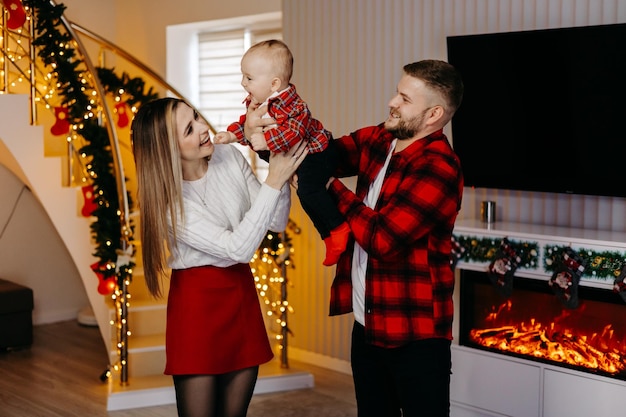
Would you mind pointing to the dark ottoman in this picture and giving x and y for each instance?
(16, 320)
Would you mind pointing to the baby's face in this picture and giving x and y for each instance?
(257, 75)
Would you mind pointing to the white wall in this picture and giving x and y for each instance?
(32, 253)
(140, 24)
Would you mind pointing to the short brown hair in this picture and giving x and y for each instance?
(442, 78)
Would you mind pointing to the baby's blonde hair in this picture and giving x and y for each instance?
(279, 54)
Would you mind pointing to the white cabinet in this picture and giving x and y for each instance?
(502, 386)
(572, 396)
(485, 384)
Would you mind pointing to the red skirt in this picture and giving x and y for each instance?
(214, 322)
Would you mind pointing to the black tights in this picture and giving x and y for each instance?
(225, 395)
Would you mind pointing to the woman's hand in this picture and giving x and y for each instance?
(255, 121)
(257, 142)
(284, 165)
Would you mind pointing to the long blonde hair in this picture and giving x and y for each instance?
(159, 184)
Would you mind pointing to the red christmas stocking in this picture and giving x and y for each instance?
(565, 279)
(456, 252)
(89, 205)
(122, 114)
(61, 126)
(97, 266)
(107, 286)
(502, 268)
(17, 14)
(619, 285)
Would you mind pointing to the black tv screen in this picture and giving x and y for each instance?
(543, 110)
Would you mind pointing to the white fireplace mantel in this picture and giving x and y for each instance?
(486, 384)
(545, 235)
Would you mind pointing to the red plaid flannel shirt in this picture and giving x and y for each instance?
(409, 281)
(293, 120)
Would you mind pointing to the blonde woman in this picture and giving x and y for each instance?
(203, 214)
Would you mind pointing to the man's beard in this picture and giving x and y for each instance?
(407, 129)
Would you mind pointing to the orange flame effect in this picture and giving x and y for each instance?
(555, 343)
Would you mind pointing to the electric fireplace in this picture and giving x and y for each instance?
(532, 324)
(518, 350)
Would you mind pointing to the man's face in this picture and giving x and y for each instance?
(408, 108)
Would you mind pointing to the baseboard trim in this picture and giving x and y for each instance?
(334, 364)
(54, 316)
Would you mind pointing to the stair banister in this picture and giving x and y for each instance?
(32, 76)
(113, 138)
(5, 64)
(126, 231)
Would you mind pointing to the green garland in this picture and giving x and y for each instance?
(483, 249)
(54, 47)
(602, 265)
(133, 88)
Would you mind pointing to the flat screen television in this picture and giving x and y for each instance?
(543, 110)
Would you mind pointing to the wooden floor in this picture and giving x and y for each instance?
(58, 376)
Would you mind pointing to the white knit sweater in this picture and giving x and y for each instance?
(238, 213)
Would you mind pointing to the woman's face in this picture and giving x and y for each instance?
(192, 134)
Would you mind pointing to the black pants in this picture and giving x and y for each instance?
(313, 175)
(414, 378)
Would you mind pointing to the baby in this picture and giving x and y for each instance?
(266, 74)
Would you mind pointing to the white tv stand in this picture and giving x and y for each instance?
(490, 384)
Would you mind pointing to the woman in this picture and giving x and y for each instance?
(203, 214)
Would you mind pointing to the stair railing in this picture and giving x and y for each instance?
(121, 299)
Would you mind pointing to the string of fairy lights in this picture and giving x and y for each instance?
(269, 267)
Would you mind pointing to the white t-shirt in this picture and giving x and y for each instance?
(359, 258)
